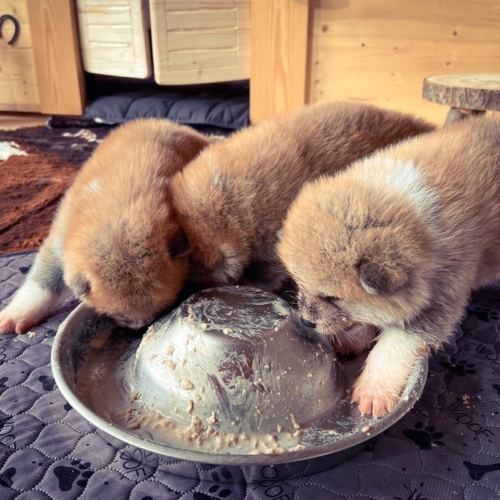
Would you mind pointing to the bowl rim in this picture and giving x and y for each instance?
(419, 373)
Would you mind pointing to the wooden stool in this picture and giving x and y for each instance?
(467, 95)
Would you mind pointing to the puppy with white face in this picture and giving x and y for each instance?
(396, 243)
(107, 244)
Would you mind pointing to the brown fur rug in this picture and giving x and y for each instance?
(36, 166)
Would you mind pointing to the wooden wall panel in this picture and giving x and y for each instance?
(278, 56)
(380, 52)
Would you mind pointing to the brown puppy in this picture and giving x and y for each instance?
(231, 201)
(108, 242)
(398, 241)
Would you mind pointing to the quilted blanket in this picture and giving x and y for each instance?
(446, 447)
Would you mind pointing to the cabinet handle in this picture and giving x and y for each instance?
(8, 17)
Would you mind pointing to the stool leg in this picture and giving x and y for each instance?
(456, 115)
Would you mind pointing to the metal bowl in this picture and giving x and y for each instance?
(230, 377)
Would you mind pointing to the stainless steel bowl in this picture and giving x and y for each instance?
(230, 377)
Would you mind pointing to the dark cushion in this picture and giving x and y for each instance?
(216, 106)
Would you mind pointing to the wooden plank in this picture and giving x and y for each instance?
(200, 41)
(196, 5)
(11, 121)
(18, 83)
(380, 52)
(111, 59)
(105, 16)
(208, 19)
(189, 41)
(57, 56)
(278, 56)
(114, 37)
(207, 59)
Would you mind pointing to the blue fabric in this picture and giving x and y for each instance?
(226, 107)
(446, 447)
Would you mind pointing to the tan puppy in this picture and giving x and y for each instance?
(108, 241)
(398, 241)
(231, 201)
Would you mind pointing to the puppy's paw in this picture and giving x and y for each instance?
(374, 396)
(16, 322)
(29, 306)
(7, 323)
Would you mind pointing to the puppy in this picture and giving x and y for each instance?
(108, 244)
(398, 241)
(232, 199)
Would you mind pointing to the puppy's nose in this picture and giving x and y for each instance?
(308, 323)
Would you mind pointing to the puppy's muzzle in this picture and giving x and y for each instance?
(308, 323)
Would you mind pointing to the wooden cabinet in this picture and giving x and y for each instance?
(18, 81)
(41, 70)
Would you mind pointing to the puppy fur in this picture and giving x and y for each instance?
(232, 199)
(108, 243)
(398, 241)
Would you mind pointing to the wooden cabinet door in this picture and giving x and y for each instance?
(41, 70)
(200, 41)
(18, 81)
(114, 37)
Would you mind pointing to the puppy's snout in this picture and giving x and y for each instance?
(308, 323)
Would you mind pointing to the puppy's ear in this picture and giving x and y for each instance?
(379, 278)
(178, 245)
(81, 286)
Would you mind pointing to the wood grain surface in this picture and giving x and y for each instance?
(18, 82)
(381, 52)
(279, 50)
(57, 56)
(479, 92)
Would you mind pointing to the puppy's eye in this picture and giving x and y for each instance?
(331, 299)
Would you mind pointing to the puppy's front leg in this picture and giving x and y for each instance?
(42, 292)
(386, 371)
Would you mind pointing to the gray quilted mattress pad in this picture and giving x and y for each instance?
(446, 447)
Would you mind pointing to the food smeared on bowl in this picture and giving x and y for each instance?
(233, 369)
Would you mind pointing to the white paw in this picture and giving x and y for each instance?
(385, 374)
(12, 323)
(30, 305)
(374, 397)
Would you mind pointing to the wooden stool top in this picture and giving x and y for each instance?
(468, 91)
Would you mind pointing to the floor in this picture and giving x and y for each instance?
(10, 121)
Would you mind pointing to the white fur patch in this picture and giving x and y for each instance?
(395, 353)
(29, 306)
(392, 174)
(94, 186)
(8, 149)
